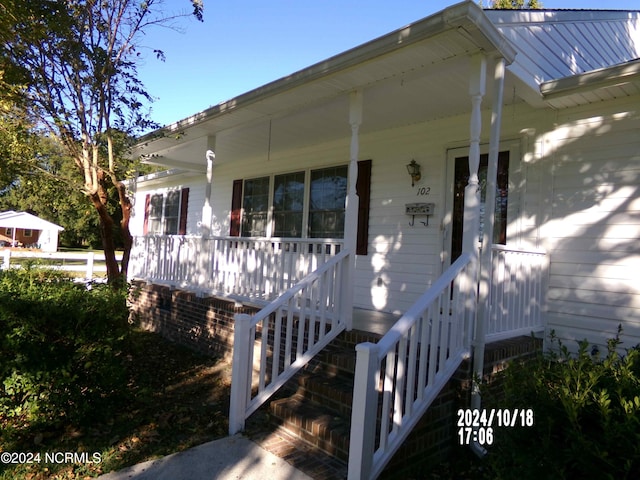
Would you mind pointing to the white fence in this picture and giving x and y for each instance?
(246, 267)
(516, 297)
(271, 346)
(90, 263)
(397, 379)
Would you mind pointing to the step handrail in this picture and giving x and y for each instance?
(409, 366)
(304, 320)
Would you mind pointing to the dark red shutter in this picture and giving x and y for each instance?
(147, 207)
(363, 189)
(184, 208)
(236, 208)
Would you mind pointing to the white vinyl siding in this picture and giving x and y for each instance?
(593, 227)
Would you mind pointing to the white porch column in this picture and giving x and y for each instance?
(471, 223)
(207, 211)
(351, 207)
(487, 233)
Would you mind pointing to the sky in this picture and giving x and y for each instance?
(244, 44)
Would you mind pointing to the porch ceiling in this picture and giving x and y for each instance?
(416, 74)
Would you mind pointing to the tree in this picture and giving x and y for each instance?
(51, 189)
(17, 143)
(72, 65)
(515, 4)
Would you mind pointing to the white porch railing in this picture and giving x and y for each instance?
(516, 292)
(397, 379)
(271, 346)
(231, 266)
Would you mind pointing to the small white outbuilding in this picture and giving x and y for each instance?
(24, 229)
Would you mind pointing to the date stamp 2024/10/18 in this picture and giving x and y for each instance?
(479, 425)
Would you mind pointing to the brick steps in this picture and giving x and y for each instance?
(314, 423)
(309, 419)
(315, 406)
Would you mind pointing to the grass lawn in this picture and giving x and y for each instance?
(179, 399)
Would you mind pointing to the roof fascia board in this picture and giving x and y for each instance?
(530, 17)
(604, 77)
(466, 17)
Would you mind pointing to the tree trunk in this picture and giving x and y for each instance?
(106, 234)
(127, 239)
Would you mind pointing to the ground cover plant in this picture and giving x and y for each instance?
(75, 377)
(587, 415)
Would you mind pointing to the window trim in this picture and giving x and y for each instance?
(363, 188)
(182, 211)
(237, 211)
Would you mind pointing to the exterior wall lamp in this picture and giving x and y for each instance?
(414, 170)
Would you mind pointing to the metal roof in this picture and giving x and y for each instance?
(554, 44)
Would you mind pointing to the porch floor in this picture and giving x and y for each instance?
(373, 321)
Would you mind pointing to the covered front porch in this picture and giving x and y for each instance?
(295, 291)
(257, 271)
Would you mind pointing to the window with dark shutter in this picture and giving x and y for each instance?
(184, 208)
(147, 207)
(236, 208)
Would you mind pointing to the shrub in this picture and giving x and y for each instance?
(60, 348)
(587, 415)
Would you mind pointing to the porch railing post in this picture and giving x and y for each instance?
(240, 378)
(363, 418)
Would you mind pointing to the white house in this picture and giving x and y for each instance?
(24, 229)
(543, 104)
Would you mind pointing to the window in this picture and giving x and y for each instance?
(327, 202)
(288, 204)
(28, 233)
(292, 209)
(166, 214)
(300, 204)
(171, 213)
(8, 231)
(255, 202)
(155, 214)
(461, 172)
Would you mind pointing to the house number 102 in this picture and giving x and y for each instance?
(423, 191)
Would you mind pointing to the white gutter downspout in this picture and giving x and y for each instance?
(487, 241)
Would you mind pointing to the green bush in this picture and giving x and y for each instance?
(60, 349)
(587, 415)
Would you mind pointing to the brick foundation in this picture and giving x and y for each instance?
(204, 324)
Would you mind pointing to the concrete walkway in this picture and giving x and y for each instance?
(229, 458)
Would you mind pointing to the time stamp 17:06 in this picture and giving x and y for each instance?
(478, 426)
